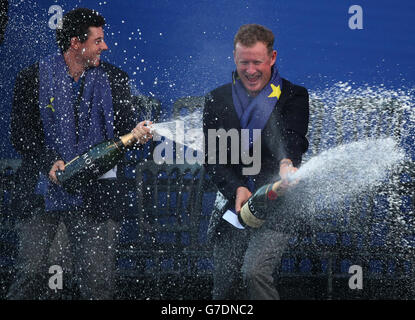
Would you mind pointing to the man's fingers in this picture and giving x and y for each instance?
(290, 180)
(58, 165)
(52, 176)
(238, 205)
(142, 132)
(242, 196)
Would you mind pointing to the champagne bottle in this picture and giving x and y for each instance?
(89, 166)
(263, 202)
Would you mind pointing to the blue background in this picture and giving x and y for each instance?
(180, 48)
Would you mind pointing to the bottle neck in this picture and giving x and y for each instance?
(276, 185)
(127, 140)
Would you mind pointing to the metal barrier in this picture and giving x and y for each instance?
(165, 251)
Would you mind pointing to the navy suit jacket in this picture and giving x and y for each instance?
(284, 136)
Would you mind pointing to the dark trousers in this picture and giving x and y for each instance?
(90, 267)
(245, 261)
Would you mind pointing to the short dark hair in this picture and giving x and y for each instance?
(76, 23)
(249, 34)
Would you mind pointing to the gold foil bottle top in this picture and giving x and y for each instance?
(128, 139)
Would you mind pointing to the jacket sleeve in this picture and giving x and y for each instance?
(295, 125)
(27, 135)
(125, 118)
(226, 177)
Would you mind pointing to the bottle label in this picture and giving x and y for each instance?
(249, 216)
(89, 164)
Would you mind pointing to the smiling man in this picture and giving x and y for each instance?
(62, 106)
(83, 50)
(254, 65)
(257, 98)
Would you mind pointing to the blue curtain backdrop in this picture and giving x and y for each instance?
(176, 48)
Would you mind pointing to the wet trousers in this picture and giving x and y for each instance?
(90, 267)
(245, 262)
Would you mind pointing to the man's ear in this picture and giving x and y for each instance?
(273, 57)
(75, 43)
